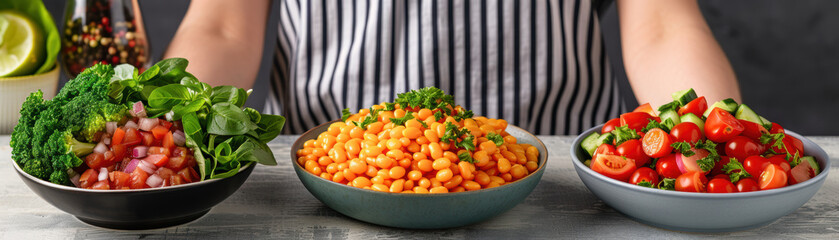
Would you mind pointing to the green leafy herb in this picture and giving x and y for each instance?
(401, 121)
(465, 157)
(453, 134)
(645, 183)
(438, 116)
(497, 139)
(623, 134)
(390, 106)
(467, 142)
(683, 147)
(667, 184)
(735, 170)
(666, 125)
(793, 160)
(707, 163)
(430, 97)
(463, 114)
(345, 114)
(372, 117)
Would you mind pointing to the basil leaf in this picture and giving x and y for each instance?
(169, 96)
(223, 151)
(228, 94)
(254, 150)
(228, 119)
(269, 127)
(148, 74)
(191, 107)
(228, 173)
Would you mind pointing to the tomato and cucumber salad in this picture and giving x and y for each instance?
(688, 145)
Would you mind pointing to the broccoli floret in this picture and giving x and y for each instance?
(46, 142)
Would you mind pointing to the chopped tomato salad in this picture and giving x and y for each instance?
(688, 145)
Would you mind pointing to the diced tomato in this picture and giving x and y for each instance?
(119, 135)
(88, 178)
(180, 152)
(159, 132)
(110, 158)
(613, 166)
(101, 185)
(148, 138)
(120, 151)
(158, 150)
(610, 125)
(176, 180)
(132, 137)
(697, 107)
(166, 124)
(184, 174)
(645, 108)
(190, 161)
(95, 160)
(177, 163)
(157, 159)
(119, 179)
(752, 130)
(164, 172)
(169, 141)
(635, 120)
(138, 179)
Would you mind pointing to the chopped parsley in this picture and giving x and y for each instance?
(707, 163)
(683, 147)
(623, 134)
(463, 114)
(497, 139)
(390, 106)
(369, 119)
(645, 183)
(465, 157)
(667, 184)
(345, 114)
(401, 121)
(430, 97)
(438, 115)
(735, 170)
(453, 134)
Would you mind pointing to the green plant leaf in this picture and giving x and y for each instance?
(227, 119)
(270, 127)
(170, 95)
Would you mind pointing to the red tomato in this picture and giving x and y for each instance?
(604, 149)
(741, 147)
(132, 137)
(656, 143)
(772, 177)
(95, 160)
(722, 176)
(754, 165)
(148, 138)
(781, 161)
(88, 178)
(721, 126)
(157, 159)
(635, 120)
(697, 107)
(101, 185)
(801, 172)
(119, 178)
(687, 132)
(119, 135)
(666, 166)
(120, 151)
(633, 150)
(791, 145)
(164, 172)
(644, 174)
(721, 185)
(158, 150)
(138, 179)
(183, 152)
(176, 180)
(613, 166)
(188, 174)
(176, 163)
(164, 123)
(718, 166)
(159, 132)
(776, 128)
(645, 108)
(747, 185)
(169, 141)
(691, 182)
(610, 125)
(752, 130)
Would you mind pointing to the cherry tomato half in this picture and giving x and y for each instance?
(754, 165)
(633, 149)
(656, 143)
(691, 182)
(687, 132)
(747, 185)
(721, 126)
(697, 107)
(781, 161)
(721, 185)
(752, 130)
(635, 120)
(772, 177)
(666, 167)
(613, 166)
(741, 147)
(645, 108)
(644, 174)
(776, 128)
(607, 149)
(610, 125)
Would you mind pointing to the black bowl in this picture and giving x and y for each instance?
(138, 208)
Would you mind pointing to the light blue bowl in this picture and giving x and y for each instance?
(421, 211)
(701, 212)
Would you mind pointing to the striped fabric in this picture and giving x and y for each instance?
(539, 64)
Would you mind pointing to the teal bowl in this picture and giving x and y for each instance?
(420, 211)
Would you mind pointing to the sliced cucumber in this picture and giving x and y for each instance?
(727, 104)
(684, 96)
(813, 163)
(766, 123)
(690, 117)
(590, 143)
(672, 115)
(746, 113)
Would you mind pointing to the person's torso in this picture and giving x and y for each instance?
(538, 64)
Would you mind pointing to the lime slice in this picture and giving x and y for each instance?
(21, 45)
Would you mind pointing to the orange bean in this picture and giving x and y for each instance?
(424, 113)
(375, 127)
(488, 147)
(405, 163)
(415, 175)
(323, 161)
(412, 132)
(441, 163)
(451, 156)
(383, 161)
(454, 182)
(326, 175)
(397, 186)
(394, 144)
(357, 166)
(471, 185)
(338, 177)
(395, 154)
(377, 180)
(518, 171)
(419, 189)
(348, 174)
(531, 166)
(332, 168)
(371, 171)
(424, 183)
(458, 189)
(504, 165)
(396, 172)
(466, 169)
(425, 165)
(482, 178)
(431, 135)
(435, 182)
(439, 189)
(444, 175)
(409, 184)
(414, 147)
(435, 150)
(361, 182)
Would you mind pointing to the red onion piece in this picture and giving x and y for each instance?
(103, 174)
(131, 166)
(154, 181)
(146, 167)
(100, 148)
(179, 137)
(106, 140)
(131, 124)
(111, 127)
(146, 124)
(138, 110)
(139, 152)
(75, 180)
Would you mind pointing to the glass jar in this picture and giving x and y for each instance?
(106, 31)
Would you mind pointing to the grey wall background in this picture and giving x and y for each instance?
(785, 54)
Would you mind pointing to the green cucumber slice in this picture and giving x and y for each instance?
(690, 117)
(727, 104)
(684, 96)
(746, 113)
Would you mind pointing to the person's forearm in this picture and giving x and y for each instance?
(667, 47)
(222, 41)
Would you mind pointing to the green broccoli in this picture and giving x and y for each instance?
(52, 136)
